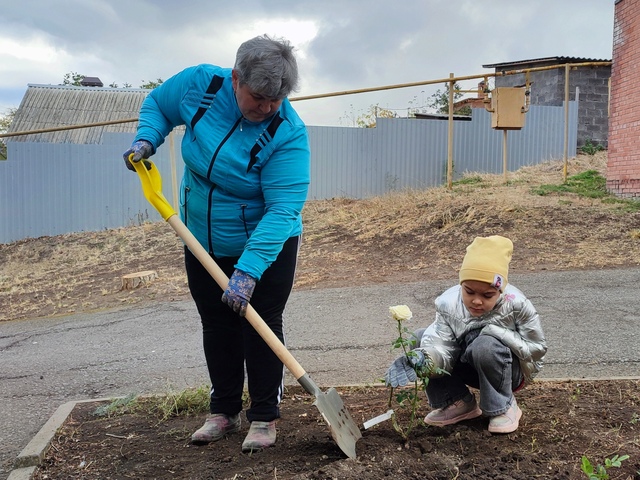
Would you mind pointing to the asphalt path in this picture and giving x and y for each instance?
(340, 337)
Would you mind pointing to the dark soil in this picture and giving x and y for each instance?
(348, 242)
(561, 422)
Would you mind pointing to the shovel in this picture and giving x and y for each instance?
(343, 429)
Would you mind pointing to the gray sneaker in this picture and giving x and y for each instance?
(261, 435)
(453, 413)
(215, 427)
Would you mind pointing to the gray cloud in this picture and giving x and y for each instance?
(359, 43)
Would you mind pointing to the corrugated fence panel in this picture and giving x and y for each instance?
(414, 153)
(479, 148)
(343, 162)
(56, 188)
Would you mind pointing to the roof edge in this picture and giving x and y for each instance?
(558, 59)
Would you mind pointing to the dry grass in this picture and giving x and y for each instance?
(401, 237)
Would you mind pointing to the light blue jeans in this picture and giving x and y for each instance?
(485, 364)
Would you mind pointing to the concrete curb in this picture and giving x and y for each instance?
(33, 454)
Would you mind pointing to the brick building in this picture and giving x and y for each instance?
(623, 169)
(547, 88)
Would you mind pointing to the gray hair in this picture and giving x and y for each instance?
(267, 66)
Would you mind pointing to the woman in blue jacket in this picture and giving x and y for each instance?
(245, 182)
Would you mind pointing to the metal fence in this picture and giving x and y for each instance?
(51, 189)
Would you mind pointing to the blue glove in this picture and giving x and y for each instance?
(239, 291)
(403, 369)
(141, 151)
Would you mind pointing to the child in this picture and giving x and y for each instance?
(486, 335)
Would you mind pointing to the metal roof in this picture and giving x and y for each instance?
(546, 60)
(49, 106)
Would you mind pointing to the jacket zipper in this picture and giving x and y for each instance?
(244, 219)
(186, 199)
(213, 185)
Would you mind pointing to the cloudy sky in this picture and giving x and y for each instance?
(341, 44)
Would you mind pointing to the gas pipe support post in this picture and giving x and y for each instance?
(450, 136)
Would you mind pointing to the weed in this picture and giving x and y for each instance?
(189, 401)
(576, 394)
(588, 184)
(473, 180)
(591, 148)
(117, 406)
(599, 472)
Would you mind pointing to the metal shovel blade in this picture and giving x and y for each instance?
(344, 430)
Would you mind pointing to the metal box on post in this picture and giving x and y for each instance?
(507, 108)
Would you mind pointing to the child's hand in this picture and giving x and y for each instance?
(400, 373)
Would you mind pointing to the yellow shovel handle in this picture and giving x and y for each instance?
(152, 186)
(152, 189)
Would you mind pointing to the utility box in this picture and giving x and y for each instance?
(507, 105)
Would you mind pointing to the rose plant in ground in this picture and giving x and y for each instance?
(423, 366)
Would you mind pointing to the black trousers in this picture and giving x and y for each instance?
(230, 341)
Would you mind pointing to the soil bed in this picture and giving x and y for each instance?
(562, 421)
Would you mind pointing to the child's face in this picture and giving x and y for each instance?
(479, 297)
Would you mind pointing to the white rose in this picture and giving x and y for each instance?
(400, 313)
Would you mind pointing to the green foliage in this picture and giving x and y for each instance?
(117, 406)
(150, 85)
(586, 184)
(185, 402)
(409, 397)
(599, 472)
(190, 401)
(589, 184)
(73, 78)
(439, 101)
(590, 148)
(368, 119)
(5, 121)
(474, 180)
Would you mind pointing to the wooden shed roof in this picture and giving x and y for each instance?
(51, 106)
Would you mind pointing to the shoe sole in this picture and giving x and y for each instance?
(253, 449)
(508, 428)
(467, 416)
(202, 441)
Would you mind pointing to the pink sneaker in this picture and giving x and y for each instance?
(261, 435)
(454, 413)
(508, 421)
(215, 427)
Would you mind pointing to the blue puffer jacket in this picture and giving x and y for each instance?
(244, 183)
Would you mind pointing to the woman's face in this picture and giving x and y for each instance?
(479, 297)
(254, 107)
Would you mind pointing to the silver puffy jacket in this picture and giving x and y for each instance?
(514, 321)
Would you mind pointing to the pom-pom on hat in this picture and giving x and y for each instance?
(487, 260)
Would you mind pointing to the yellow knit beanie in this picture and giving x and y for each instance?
(487, 260)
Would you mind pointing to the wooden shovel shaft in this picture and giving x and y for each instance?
(221, 279)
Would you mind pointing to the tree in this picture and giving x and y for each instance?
(5, 121)
(73, 78)
(150, 85)
(368, 119)
(439, 101)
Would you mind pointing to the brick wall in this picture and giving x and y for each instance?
(623, 169)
